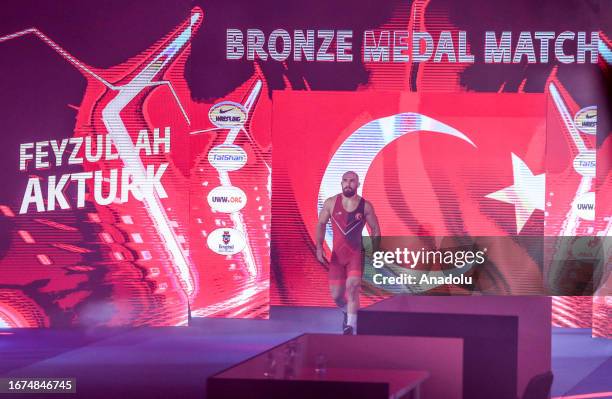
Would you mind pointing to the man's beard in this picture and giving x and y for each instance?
(348, 192)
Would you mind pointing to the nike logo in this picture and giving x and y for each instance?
(223, 111)
(590, 116)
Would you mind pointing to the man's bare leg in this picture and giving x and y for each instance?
(353, 284)
(338, 294)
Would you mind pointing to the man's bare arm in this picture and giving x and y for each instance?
(372, 221)
(324, 217)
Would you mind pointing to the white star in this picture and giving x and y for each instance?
(526, 194)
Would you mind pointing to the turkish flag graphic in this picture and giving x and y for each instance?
(430, 164)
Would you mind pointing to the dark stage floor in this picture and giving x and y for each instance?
(175, 362)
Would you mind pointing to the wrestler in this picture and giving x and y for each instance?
(349, 213)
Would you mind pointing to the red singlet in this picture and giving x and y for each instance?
(347, 254)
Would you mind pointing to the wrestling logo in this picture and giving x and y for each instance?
(227, 115)
(226, 241)
(227, 157)
(585, 206)
(586, 120)
(227, 199)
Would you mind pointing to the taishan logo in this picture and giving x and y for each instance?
(586, 120)
(227, 115)
(227, 157)
(585, 163)
(227, 199)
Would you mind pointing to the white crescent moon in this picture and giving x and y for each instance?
(358, 151)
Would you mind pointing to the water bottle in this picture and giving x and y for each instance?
(270, 371)
(321, 365)
(290, 352)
